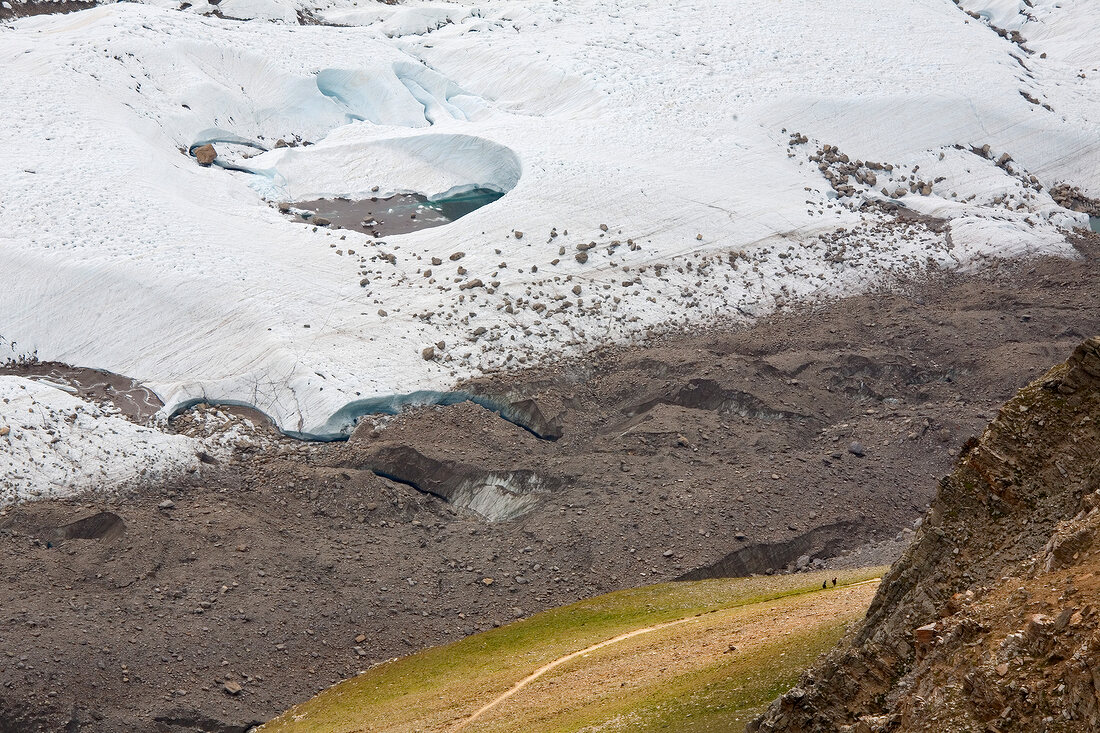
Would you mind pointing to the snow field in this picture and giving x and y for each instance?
(53, 445)
(647, 154)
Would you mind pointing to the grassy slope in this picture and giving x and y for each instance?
(434, 689)
(724, 697)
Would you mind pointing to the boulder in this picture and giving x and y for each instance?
(925, 635)
(205, 154)
(1065, 549)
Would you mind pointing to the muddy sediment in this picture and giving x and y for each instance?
(398, 214)
(129, 397)
(14, 9)
(291, 565)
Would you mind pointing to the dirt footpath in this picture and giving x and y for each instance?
(648, 659)
(219, 601)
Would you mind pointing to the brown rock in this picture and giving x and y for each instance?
(205, 154)
(1067, 550)
(1039, 625)
(925, 634)
(1063, 618)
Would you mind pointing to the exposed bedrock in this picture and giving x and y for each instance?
(986, 622)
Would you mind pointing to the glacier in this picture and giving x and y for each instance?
(658, 165)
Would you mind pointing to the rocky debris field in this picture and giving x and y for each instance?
(221, 599)
(989, 620)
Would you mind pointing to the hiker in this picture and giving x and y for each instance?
(834, 582)
(824, 584)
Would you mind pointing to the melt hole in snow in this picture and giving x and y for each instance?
(398, 214)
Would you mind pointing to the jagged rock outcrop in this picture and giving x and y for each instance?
(989, 621)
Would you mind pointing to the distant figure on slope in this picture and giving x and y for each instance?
(824, 584)
(834, 582)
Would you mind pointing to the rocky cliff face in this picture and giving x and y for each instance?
(991, 619)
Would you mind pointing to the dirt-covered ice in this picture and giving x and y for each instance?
(54, 444)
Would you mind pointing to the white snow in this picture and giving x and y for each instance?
(668, 123)
(429, 162)
(56, 445)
